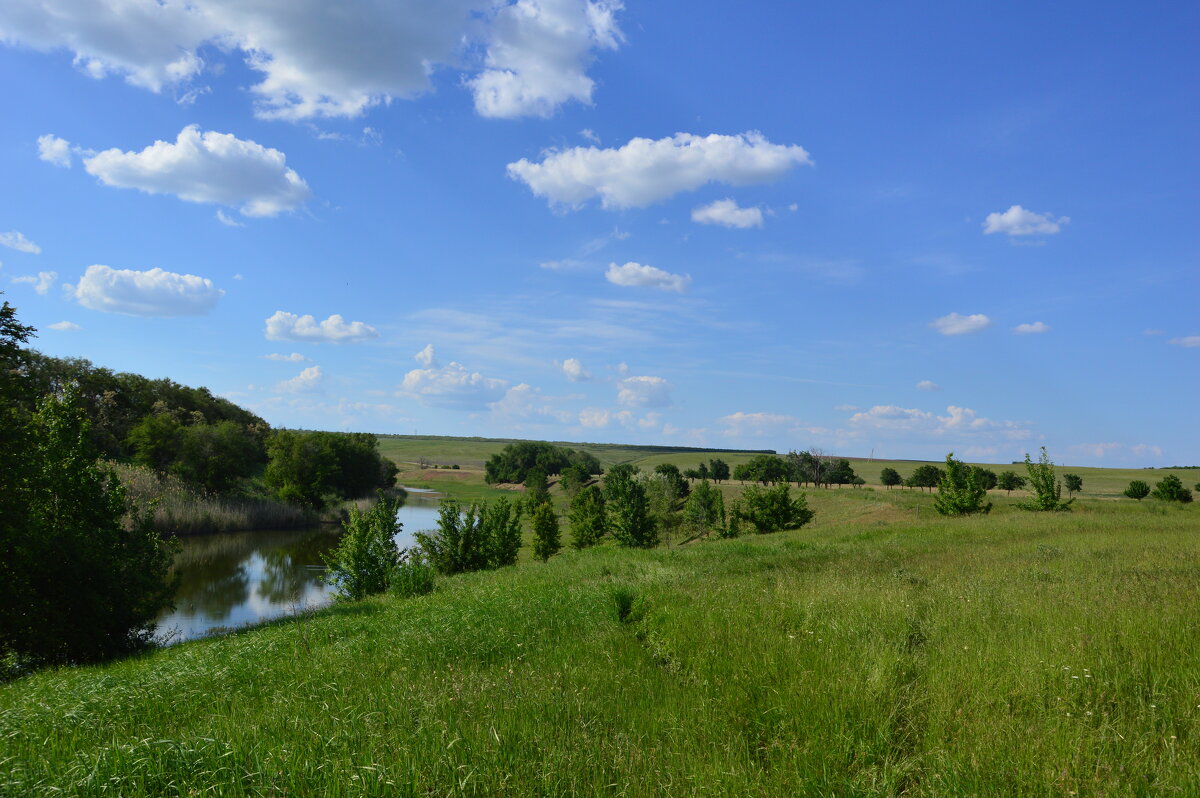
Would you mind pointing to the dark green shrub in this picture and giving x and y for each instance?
(545, 532)
(587, 518)
(890, 477)
(772, 509)
(1170, 489)
(1137, 490)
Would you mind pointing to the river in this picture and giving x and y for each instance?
(242, 578)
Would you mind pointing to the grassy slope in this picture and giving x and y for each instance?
(879, 651)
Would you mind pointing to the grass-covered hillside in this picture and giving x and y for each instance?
(881, 650)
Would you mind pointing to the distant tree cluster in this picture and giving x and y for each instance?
(314, 468)
(516, 460)
(716, 469)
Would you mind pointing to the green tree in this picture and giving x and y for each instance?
(718, 470)
(925, 476)
(1073, 483)
(704, 510)
(841, 473)
(1170, 489)
(545, 532)
(217, 456)
(960, 492)
(670, 472)
(985, 477)
(367, 555)
(80, 584)
(501, 531)
(300, 469)
(890, 477)
(1137, 490)
(772, 509)
(156, 441)
(458, 544)
(1010, 481)
(1047, 490)
(537, 488)
(573, 478)
(629, 517)
(587, 518)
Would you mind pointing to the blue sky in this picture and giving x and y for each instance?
(899, 229)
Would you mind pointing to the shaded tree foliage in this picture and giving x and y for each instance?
(890, 477)
(1073, 483)
(311, 468)
(77, 583)
(1010, 481)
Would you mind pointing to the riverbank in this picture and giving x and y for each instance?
(870, 653)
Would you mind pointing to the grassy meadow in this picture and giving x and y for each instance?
(881, 650)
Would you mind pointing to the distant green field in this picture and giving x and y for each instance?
(475, 451)
(471, 453)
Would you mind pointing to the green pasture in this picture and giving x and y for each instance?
(880, 651)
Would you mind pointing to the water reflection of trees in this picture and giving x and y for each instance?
(216, 571)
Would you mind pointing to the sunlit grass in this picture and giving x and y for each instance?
(1013, 654)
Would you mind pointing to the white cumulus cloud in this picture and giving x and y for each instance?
(453, 386)
(956, 324)
(321, 59)
(760, 425)
(307, 381)
(65, 326)
(294, 357)
(1189, 341)
(41, 283)
(644, 391)
(928, 385)
(154, 292)
(426, 357)
(284, 326)
(958, 421)
(574, 370)
(646, 171)
(636, 275)
(18, 241)
(538, 55)
(726, 213)
(1031, 329)
(52, 149)
(1016, 221)
(207, 167)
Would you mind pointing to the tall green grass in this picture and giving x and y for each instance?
(1014, 654)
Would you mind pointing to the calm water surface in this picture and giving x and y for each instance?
(241, 578)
